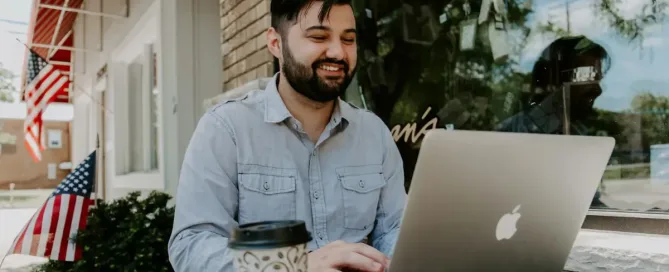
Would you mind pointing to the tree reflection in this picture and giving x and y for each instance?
(411, 60)
(654, 115)
(632, 29)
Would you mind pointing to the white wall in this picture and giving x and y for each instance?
(185, 34)
(191, 32)
(87, 34)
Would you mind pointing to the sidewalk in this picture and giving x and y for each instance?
(23, 198)
(11, 223)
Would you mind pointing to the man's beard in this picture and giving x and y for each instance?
(305, 79)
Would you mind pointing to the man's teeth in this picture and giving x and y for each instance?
(329, 68)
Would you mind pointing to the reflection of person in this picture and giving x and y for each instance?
(294, 151)
(565, 84)
(570, 69)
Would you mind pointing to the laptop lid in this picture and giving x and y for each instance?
(490, 201)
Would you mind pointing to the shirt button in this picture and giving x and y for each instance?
(362, 184)
(266, 186)
(316, 195)
(320, 235)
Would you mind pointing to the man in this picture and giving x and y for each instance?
(565, 84)
(294, 151)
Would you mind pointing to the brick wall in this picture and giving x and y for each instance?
(17, 166)
(243, 43)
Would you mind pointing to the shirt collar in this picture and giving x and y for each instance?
(276, 111)
(345, 111)
(546, 117)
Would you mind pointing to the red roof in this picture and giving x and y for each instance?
(43, 28)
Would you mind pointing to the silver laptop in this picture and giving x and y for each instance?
(498, 201)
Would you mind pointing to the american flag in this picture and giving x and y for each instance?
(51, 230)
(45, 83)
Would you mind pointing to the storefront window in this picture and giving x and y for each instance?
(579, 67)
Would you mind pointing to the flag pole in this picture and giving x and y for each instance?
(8, 251)
(3, 257)
(97, 166)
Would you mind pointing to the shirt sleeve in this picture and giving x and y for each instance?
(392, 201)
(206, 200)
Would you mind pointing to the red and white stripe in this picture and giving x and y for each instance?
(39, 93)
(32, 141)
(49, 230)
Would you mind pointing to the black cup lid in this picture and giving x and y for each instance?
(269, 234)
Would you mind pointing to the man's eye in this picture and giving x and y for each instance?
(318, 38)
(349, 40)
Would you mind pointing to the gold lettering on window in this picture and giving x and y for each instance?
(408, 131)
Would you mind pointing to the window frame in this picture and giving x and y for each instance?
(603, 220)
(140, 44)
(49, 141)
(627, 222)
(613, 220)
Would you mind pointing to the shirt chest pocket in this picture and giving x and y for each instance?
(361, 194)
(266, 194)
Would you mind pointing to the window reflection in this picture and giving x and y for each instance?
(582, 67)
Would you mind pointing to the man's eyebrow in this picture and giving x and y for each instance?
(319, 27)
(327, 28)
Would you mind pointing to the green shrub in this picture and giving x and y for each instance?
(128, 234)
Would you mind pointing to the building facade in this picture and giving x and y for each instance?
(16, 164)
(149, 75)
(140, 71)
(144, 79)
(145, 71)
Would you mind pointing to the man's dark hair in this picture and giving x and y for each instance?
(285, 12)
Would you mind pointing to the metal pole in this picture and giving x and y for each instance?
(97, 166)
(57, 29)
(68, 48)
(60, 43)
(11, 194)
(83, 11)
(568, 21)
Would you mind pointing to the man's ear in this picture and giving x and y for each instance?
(274, 42)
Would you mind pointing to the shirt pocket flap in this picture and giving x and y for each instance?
(361, 179)
(266, 180)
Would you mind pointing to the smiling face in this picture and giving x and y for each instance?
(317, 57)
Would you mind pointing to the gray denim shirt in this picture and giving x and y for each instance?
(249, 160)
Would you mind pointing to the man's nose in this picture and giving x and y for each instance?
(335, 50)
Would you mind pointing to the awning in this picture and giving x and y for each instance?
(50, 35)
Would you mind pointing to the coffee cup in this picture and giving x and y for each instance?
(277, 246)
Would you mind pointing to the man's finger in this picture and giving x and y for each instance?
(355, 260)
(372, 253)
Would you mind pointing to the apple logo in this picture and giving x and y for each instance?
(506, 227)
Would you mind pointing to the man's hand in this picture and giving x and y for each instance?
(342, 256)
